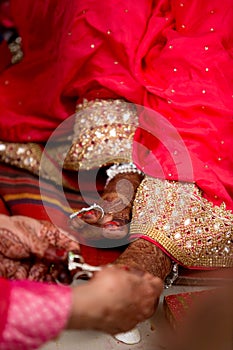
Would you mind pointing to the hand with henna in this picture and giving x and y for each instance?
(32, 249)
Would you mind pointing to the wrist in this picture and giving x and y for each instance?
(85, 312)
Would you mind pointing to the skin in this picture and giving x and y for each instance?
(140, 254)
(119, 314)
(121, 300)
(113, 301)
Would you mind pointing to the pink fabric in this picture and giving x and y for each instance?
(36, 314)
(174, 57)
(4, 303)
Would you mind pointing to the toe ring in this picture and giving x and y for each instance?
(83, 210)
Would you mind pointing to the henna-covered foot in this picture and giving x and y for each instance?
(144, 255)
(117, 201)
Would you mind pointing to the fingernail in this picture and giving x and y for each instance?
(60, 252)
(87, 213)
(126, 268)
(111, 224)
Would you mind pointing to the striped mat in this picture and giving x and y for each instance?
(21, 193)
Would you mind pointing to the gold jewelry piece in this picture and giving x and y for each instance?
(189, 227)
(103, 134)
(15, 48)
(173, 275)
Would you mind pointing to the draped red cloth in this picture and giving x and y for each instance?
(5, 14)
(174, 57)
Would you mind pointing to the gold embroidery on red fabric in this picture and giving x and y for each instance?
(190, 228)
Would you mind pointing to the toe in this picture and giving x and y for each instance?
(115, 229)
(91, 216)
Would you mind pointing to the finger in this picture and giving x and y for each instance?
(21, 237)
(115, 229)
(156, 282)
(9, 267)
(148, 312)
(76, 223)
(22, 271)
(54, 254)
(91, 216)
(59, 238)
(90, 232)
(3, 271)
(38, 272)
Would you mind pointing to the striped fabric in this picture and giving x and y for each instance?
(21, 194)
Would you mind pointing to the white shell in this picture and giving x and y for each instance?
(131, 337)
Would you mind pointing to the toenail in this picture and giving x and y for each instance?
(111, 224)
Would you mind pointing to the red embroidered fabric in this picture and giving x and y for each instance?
(174, 57)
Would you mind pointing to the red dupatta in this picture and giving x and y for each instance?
(173, 57)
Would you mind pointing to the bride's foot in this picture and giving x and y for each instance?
(144, 255)
(117, 201)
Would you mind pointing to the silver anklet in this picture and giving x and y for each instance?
(170, 279)
(121, 169)
(92, 207)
